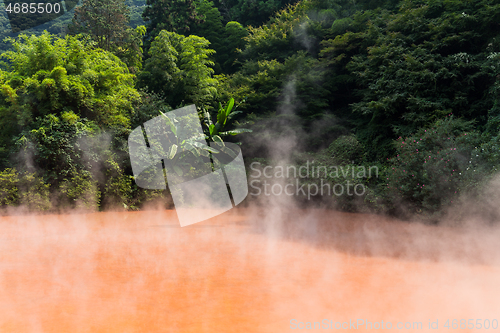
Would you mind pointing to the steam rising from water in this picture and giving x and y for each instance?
(249, 270)
(139, 271)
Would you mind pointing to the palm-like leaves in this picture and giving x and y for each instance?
(194, 145)
(215, 132)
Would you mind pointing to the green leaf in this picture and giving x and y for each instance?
(195, 152)
(229, 107)
(221, 117)
(206, 116)
(231, 116)
(172, 152)
(217, 138)
(210, 149)
(229, 152)
(236, 131)
(173, 128)
(204, 153)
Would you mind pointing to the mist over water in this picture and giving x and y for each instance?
(248, 270)
(268, 267)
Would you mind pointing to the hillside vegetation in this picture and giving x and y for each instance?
(411, 87)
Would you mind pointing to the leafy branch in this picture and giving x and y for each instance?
(216, 131)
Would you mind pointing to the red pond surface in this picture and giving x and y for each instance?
(243, 272)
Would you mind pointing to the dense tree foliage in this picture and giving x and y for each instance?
(57, 95)
(105, 21)
(410, 86)
(179, 69)
(136, 8)
(253, 13)
(107, 24)
(172, 15)
(49, 75)
(421, 63)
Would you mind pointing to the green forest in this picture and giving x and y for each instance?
(411, 87)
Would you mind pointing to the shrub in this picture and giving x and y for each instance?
(8, 187)
(347, 149)
(142, 198)
(34, 193)
(118, 187)
(26, 189)
(80, 192)
(435, 165)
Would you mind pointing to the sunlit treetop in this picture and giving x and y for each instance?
(49, 75)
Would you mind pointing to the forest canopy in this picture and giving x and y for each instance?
(409, 86)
